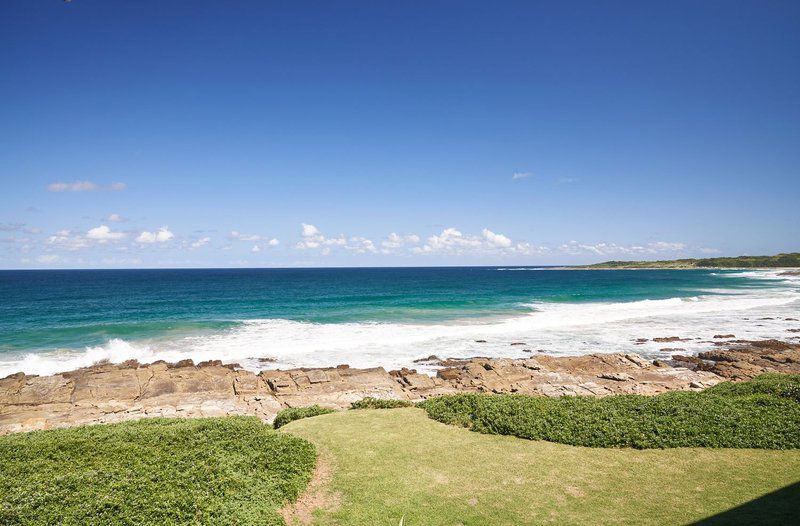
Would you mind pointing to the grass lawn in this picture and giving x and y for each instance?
(232, 470)
(391, 463)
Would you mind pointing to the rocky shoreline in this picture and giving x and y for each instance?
(117, 392)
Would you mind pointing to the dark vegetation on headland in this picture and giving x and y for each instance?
(231, 470)
(763, 413)
(778, 261)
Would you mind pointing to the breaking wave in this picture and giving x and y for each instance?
(558, 328)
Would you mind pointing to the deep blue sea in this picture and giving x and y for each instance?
(56, 320)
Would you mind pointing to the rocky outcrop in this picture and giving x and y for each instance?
(112, 393)
(747, 359)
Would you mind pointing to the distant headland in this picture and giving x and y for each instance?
(789, 260)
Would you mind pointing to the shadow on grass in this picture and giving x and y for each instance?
(779, 507)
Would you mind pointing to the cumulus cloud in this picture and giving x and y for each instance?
(273, 242)
(115, 218)
(84, 186)
(312, 238)
(360, 245)
(104, 234)
(161, 236)
(520, 175)
(310, 230)
(496, 240)
(396, 241)
(453, 241)
(255, 248)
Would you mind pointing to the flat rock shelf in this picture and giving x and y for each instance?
(117, 392)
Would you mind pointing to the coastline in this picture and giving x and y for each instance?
(106, 393)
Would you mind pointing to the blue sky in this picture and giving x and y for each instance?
(163, 134)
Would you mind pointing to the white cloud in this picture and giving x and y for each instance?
(273, 242)
(84, 186)
(310, 230)
(255, 248)
(360, 245)
(203, 241)
(496, 240)
(394, 241)
(610, 249)
(67, 240)
(115, 218)
(235, 234)
(520, 175)
(312, 238)
(161, 236)
(566, 180)
(453, 242)
(103, 234)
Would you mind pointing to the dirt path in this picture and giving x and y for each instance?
(316, 496)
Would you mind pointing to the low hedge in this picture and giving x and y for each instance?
(291, 414)
(758, 414)
(379, 403)
(232, 470)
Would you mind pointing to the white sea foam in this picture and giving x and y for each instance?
(566, 329)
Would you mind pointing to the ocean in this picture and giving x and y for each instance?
(58, 320)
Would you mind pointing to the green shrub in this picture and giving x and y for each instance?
(785, 385)
(296, 413)
(379, 403)
(737, 416)
(232, 470)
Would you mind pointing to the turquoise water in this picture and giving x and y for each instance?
(49, 317)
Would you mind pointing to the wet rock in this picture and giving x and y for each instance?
(431, 358)
(725, 336)
(670, 339)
